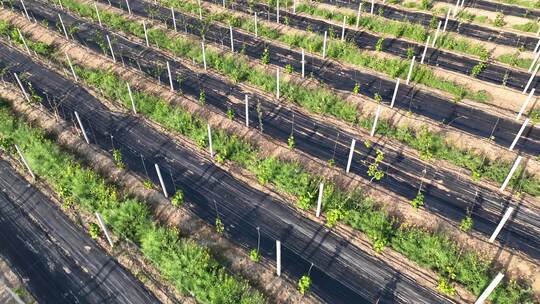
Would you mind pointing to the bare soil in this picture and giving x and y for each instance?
(421, 217)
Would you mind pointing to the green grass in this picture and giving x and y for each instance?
(189, 266)
(530, 26)
(352, 208)
(515, 60)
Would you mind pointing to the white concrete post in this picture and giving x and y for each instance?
(454, 12)
(294, 7)
(24, 42)
(518, 135)
(510, 174)
(410, 70)
(97, 14)
(343, 28)
(436, 34)
(446, 21)
(462, 2)
(170, 77)
(525, 104)
(425, 50)
(533, 63)
(223, 3)
(63, 27)
(247, 111)
(537, 46)
(173, 19)
(25, 163)
(110, 47)
(104, 228)
(374, 127)
(131, 98)
(128, 7)
(203, 55)
(256, 32)
(25, 11)
(324, 44)
(395, 93)
(145, 33)
(82, 127)
(22, 88)
(490, 288)
(372, 6)
(158, 171)
(501, 224)
(538, 33)
(351, 153)
(200, 9)
(319, 200)
(210, 141)
(358, 15)
(277, 11)
(303, 64)
(277, 83)
(278, 258)
(531, 79)
(71, 67)
(232, 40)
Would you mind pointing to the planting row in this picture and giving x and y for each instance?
(125, 98)
(428, 20)
(434, 145)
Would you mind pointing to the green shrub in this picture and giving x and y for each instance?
(304, 284)
(94, 231)
(254, 256)
(178, 198)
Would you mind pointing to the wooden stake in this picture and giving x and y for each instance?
(518, 135)
(490, 288)
(170, 77)
(131, 98)
(395, 93)
(25, 163)
(410, 70)
(510, 174)
(63, 27)
(110, 47)
(22, 88)
(278, 258)
(525, 104)
(374, 127)
(425, 50)
(501, 224)
(343, 29)
(319, 200)
(324, 44)
(161, 181)
(358, 15)
(82, 127)
(210, 141)
(173, 19)
(71, 67)
(104, 228)
(24, 42)
(436, 34)
(247, 111)
(531, 79)
(351, 153)
(145, 34)
(203, 55)
(97, 14)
